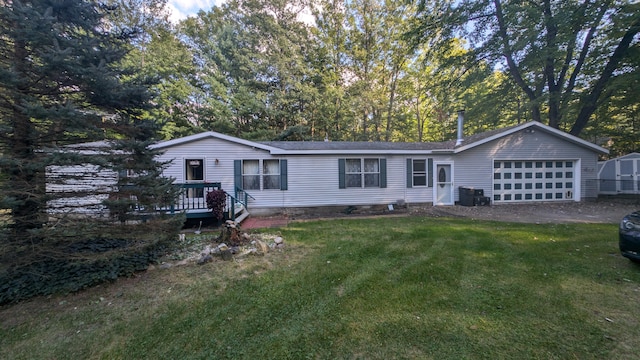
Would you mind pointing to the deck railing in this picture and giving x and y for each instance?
(192, 200)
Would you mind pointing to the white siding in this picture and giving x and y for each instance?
(79, 189)
(474, 167)
(313, 180)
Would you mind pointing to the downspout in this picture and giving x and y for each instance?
(460, 127)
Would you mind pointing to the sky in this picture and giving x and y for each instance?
(181, 9)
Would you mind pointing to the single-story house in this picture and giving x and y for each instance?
(530, 162)
(620, 175)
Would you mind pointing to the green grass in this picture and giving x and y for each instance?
(365, 289)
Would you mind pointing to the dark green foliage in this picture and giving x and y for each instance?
(70, 261)
(141, 186)
(60, 83)
(64, 81)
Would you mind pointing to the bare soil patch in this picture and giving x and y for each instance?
(609, 211)
(600, 211)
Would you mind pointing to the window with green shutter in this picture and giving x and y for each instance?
(362, 172)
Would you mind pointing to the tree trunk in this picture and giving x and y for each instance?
(590, 102)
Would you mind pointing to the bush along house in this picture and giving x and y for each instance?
(526, 163)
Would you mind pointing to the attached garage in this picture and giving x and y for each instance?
(539, 180)
(530, 162)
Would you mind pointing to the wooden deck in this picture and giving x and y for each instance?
(192, 202)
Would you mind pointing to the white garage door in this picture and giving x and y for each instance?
(540, 180)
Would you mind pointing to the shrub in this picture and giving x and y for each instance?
(216, 201)
(80, 255)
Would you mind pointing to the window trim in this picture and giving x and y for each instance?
(282, 168)
(381, 173)
(185, 170)
(264, 175)
(428, 170)
(259, 174)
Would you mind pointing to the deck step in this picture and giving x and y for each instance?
(238, 208)
(242, 216)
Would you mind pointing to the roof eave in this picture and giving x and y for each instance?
(574, 139)
(211, 134)
(359, 152)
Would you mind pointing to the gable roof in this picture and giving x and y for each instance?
(485, 137)
(360, 147)
(210, 134)
(377, 147)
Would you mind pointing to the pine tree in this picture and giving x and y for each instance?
(62, 82)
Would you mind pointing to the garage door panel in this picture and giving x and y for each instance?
(539, 180)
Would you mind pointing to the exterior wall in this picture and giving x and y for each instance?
(218, 158)
(79, 189)
(474, 167)
(312, 179)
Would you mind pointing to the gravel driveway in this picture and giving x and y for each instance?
(601, 211)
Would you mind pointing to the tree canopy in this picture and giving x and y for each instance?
(564, 56)
(388, 70)
(63, 81)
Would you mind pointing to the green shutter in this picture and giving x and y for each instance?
(383, 173)
(409, 173)
(341, 174)
(237, 173)
(430, 172)
(283, 175)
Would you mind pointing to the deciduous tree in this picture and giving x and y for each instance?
(564, 55)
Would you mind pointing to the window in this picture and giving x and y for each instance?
(358, 173)
(354, 173)
(251, 174)
(271, 174)
(194, 172)
(127, 173)
(420, 173)
(194, 169)
(268, 174)
(371, 173)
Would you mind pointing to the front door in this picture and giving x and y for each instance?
(443, 180)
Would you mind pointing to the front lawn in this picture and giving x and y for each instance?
(367, 289)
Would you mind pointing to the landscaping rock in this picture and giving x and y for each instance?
(205, 259)
(244, 252)
(226, 254)
(262, 246)
(279, 240)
